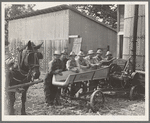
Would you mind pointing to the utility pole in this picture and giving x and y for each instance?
(135, 24)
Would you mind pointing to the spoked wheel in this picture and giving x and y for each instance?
(96, 100)
(134, 93)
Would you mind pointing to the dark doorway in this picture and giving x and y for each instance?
(120, 46)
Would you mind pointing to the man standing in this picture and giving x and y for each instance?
(64, 59)
(55, 67)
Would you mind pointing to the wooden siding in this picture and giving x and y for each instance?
(51, 28)
(128, 35)
(121, 17)
(93, 35)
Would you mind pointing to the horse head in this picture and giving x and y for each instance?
(29, 60)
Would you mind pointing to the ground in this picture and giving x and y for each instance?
(114, 105)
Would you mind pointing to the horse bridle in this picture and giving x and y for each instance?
(31, 66)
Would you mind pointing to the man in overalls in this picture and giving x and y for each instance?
(64, 60)
(55, 67)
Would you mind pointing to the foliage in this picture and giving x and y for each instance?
(103, 13)
(15, 10)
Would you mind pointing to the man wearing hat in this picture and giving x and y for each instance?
(90, 60)
(109, 59)
(81, 62)
(64, 59)
(109, 55)
(55, 67)
(98, 58)
(71, 63)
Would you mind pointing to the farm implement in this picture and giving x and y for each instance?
(114, 78)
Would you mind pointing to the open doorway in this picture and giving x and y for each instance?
(120, 46)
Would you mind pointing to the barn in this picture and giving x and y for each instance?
(60, 27)
(126, 44)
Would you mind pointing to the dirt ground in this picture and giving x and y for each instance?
(114, 105)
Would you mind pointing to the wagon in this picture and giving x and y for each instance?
(76, 85)
(113, 78)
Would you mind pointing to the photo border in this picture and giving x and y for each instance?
(81, 118)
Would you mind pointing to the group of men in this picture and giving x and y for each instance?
(76, 63)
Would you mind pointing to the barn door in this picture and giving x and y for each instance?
(77, 45)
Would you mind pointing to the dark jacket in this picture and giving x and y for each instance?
(64, 61)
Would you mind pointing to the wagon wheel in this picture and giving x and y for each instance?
(134, 93)
(96, 100)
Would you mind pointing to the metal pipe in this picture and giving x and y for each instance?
(135, 22)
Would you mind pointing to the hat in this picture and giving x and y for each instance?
(99, 51)
(72, 54)
(108, 53)
(64, 52)
(57, 52)
(90, 52)
(81, 54)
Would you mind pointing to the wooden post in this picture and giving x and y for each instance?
(135, 22)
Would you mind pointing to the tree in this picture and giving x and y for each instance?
(103, 13)
(15, 10)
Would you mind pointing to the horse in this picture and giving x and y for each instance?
(26, 70)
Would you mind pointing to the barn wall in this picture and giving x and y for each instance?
(51, 28)
(93, 34)
(128, 35)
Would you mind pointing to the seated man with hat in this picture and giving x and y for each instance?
(81, 62)
(72, 64)
(98, 58)
(90, 60)
(109, 55)
(55, 67)
(64, 59)
(109, 59)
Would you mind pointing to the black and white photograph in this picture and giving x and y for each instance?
(75, 61)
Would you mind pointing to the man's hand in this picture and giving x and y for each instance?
(58, 71)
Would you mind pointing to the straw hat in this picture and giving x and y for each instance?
(99, 51)
(64, 52)
(81, 54)
(72, 54)
(108, 53)
(90, 52)
(57, 53)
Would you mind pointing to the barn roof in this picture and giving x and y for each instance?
(54, 9)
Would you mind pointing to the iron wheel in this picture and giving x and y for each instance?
(96, 100)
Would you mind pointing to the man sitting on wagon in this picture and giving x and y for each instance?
(109, 55)
(93, 66)
(98, 58)
(109, 59)
(90, 60)
(72, 64)
(81, 62)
